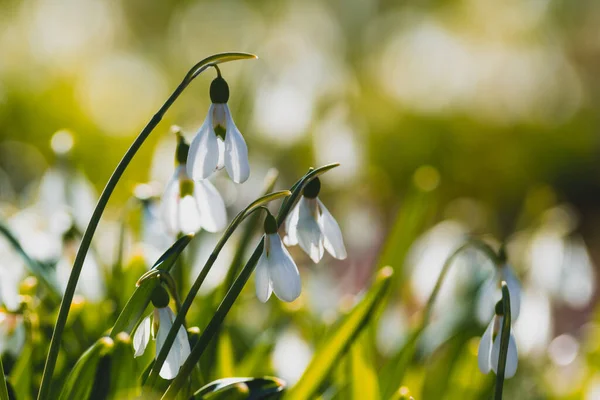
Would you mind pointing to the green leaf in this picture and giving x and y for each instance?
(134, 309)
(3, 386)
(80, 381)
(340, 340)
(225, 358)
(22, 372)
(242, 388)
(217, 59)
(363, 373)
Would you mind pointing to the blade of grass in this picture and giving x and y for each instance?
(504, 339)
(341, 339)
(3, 387)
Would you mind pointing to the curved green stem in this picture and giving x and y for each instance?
(103, 200)
(504, 340)
(235, 290)
(187, 303)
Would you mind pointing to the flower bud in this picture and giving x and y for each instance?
(270, 224)
(219, 91)
(312, 189)
(160, 297)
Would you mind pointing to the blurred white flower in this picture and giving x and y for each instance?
(489, 349)
(490, 293)
(12, 333)
(312, 226)
(158, 325)
(91, 283)
(276, 271)
(219, 142)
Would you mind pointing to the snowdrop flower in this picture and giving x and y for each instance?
(489, 347)
(219, 142)
(312, 226)
(276, 270)
(490, 292)
(158, 325)
(188, 206)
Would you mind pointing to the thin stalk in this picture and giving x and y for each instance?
(232, 294)
(187, 303)
(3, 387)
(504, 340)
(101, 205)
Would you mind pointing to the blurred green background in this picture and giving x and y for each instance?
(448, 117)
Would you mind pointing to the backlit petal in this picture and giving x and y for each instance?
(333, 240)
(141, 337)
(203, 155)
(261, 278)
(236, 152)
(283, 272)
(512, 358)
(291, 226)
(213, 216)
(172, 362)
(169, 206)
(189, 215)
(308, 230)
(484, 351)
(486, 298)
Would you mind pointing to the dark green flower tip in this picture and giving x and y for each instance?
(313, 188)
(219, 91)
(160, 297)
(502, 256)
(499, 309)
(270, 224)
(181, 154)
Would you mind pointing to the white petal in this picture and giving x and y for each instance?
(308, 230)
(486, 299)
(221, 162)
(213, 215)
(484, 351)
(261, 277)
(141, 337)
(291, 226)
(189, 215)
(334, 243)
(166, 318)
(236, 152)
(514, 289)
(512, 358)
(169, 207)
(282, 270)
(203, 155)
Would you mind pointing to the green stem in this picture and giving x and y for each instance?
(504, 340)
(103, 200)
(232, 294)
(187, 303)
(3, 387)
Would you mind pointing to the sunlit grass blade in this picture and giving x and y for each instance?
(341, 339)
(364, 384)
(80, 381)
(245, 388)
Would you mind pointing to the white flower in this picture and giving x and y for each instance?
(312, 226)
(490, 293)
(162, 320)
(12, 333)
(489, 349)
(188, 206)
(276, 271)
(210, 150)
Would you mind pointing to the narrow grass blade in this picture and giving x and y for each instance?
(341, 339)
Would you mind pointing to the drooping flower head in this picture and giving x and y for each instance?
(490, 291)
(188, 206)
(218, 142)
(157, 325)
(312, 226)
(276, 271)
(489, 346)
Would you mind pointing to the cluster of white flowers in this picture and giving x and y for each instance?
(190, 202)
